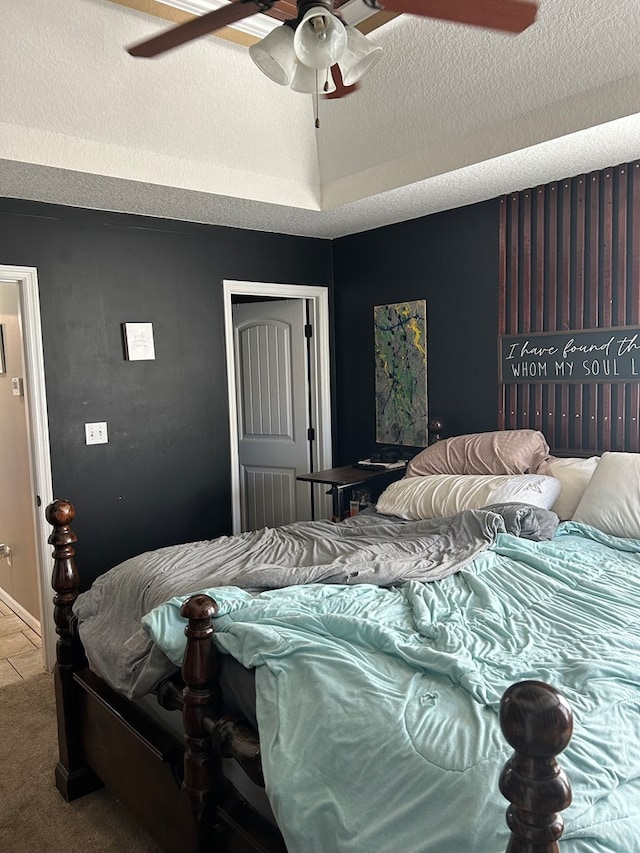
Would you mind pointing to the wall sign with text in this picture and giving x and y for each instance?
(583, 355)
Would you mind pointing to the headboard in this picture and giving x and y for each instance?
(570, 260)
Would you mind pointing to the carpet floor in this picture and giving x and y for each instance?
(33, 814)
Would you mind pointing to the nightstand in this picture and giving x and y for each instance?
(349, 477)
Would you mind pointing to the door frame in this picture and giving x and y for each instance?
(319, 372)
(39, 445)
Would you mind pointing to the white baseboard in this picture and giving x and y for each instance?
(19, 610)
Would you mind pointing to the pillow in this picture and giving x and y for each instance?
(574, 475)
(440, 495)
(611, 501)
(509, 451)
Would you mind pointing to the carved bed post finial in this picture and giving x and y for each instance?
(537, 722)
(202, 765)
(434, 428)
(65, 579)
(73, 777)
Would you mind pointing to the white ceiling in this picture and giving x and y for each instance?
(449, 116)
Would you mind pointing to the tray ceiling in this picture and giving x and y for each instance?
(449, 116)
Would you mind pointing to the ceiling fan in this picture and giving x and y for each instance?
(316, 53)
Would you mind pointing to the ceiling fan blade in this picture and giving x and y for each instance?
(341, 90)
(512, 16)
(202, 26)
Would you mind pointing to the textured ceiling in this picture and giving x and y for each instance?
(450, 115)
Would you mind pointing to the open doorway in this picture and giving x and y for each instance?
(27, 474)
(278, 427)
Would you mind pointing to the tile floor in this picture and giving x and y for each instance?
(20, 648)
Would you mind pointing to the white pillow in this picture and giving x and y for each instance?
(440, 495)
(611, 501)
(574, 475)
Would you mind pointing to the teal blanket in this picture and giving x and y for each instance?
(378, 708)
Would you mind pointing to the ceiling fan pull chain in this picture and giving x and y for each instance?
(325, 89)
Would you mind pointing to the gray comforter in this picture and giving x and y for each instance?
(368, 548)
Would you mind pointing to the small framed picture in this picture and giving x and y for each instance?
(138, 341)
(3, 362)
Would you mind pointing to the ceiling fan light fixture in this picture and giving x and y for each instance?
(310, 81)
(320, 38)
(359, 56)
(275, 56)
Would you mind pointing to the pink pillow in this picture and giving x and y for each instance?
(510, 451)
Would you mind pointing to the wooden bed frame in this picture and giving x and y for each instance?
(177, 790)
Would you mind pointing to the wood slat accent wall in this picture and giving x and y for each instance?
(570, 259)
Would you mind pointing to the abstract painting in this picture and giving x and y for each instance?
(401, 373)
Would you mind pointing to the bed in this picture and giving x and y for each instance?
(377, 658)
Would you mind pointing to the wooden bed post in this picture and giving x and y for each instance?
(203, 776)
(73, 777)
(537, 722)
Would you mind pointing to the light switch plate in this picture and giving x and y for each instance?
(96, 433)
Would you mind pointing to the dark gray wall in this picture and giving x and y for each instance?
(164, 475)
(451, 260)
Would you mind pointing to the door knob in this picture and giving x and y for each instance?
(5, 553)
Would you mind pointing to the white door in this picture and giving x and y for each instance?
(19, 565)
(272, 393)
